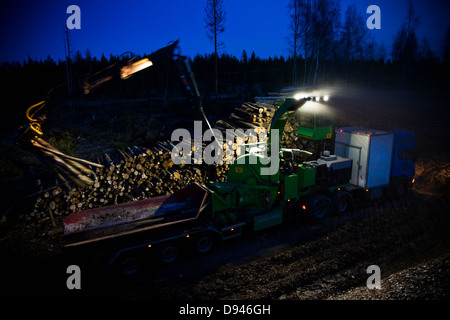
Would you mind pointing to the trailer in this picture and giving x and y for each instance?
(382, 161)
(121, 233)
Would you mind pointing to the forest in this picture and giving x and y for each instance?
(326, 47)
(248, 75)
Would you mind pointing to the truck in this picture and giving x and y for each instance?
(382, 161)
(354, 161)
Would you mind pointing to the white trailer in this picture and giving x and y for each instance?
(371, 151)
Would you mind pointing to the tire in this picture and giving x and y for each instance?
(320, 207)
(342, 202)
(400, 189)
(204, 243)
(129, 265)
(169, 253)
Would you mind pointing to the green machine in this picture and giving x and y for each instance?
(265, 186)
(262, 188)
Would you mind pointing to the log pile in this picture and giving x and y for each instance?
(135, 177)
(137, 173)
(76, 169)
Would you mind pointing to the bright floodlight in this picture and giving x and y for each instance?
(298, 96)
(127, 71)
(326, 98)
(314, 106)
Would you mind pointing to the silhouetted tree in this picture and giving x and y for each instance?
(88, 55)
(425, 54)
(306, 34)
(295, 8)
(215, 20)
(353, 36)
(446, 45)
(244, 61)
(325, 23)
(446, 53)
(301, 39)
(405, 46)
(381, 53)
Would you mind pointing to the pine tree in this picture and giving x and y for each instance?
(215, 20)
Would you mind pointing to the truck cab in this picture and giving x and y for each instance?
(403, 161)
(404, 157)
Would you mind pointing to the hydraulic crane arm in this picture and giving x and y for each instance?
(284, 112)
(168, 56)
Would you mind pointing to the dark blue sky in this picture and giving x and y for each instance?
(35, 28)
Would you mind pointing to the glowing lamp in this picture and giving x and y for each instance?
(128, 70)
(298, 96)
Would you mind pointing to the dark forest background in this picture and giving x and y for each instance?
(27, 82)
(327, 47)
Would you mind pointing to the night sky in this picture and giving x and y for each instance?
(35, 28)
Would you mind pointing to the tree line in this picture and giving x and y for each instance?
(324, 49)
(324, 45)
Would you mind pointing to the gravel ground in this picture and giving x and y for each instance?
(427, 281)
(403, 242)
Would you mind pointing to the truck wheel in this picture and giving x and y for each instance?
(169, 254)
(342, 202)
(204, 243)
(400, 189)
(320, 207)
(129, 265)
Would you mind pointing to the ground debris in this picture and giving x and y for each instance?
(426, 281)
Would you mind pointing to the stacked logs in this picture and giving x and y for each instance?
(75, 169)
(137, 173)
(135, 177)
(258, 115)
